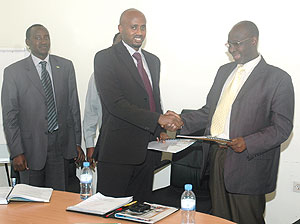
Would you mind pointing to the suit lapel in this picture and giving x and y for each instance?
(33, 75)
(154, 77)
(129, 63)
(56, 69)
(250, 82)
(151, 67)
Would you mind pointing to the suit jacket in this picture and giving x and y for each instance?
(127, 123)
(262, 114)
(25, 110)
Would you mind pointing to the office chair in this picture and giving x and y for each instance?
(187, 166)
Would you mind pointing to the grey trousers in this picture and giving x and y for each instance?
(54, 174)
(239, 208)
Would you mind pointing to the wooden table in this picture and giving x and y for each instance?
(55, 212)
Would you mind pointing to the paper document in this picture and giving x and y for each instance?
(206, 138)
(24, 192)
(99, 204)
(171, 145)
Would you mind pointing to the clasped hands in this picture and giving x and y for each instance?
(170, 121)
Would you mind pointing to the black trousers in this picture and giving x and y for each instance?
(120, 180)
(239, 208)
(54, 174)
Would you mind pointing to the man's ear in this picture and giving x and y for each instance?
(254, 41)
(120, 28)
(27, 42)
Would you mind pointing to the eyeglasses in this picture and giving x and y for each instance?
(236, 44)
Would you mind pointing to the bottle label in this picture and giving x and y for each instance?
(86, 178)
(188, 204)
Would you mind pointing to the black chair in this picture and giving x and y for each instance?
(187, 166)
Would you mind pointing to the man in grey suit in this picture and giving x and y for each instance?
(41, 114)
(251, 103)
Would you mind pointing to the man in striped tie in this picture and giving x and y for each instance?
(41, 114)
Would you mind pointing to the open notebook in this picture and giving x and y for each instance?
(99, 204)
(24, 192)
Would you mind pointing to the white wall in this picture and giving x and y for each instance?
(189, 38)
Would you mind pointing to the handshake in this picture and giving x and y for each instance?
(170, 121)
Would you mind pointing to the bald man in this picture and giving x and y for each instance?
(127, 79)
(251, 103)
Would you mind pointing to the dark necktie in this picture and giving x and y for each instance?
(51, 109)
(145, 79)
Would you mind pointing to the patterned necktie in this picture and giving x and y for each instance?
(225, 103)
(145, 79)
(51, 109)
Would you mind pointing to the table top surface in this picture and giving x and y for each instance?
(55, 212)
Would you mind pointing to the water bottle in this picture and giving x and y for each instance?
(86, 180)
(188, 205)
(13, 181)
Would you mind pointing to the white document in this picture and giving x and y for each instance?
(171, 145)
(24, 192)
(99, 204)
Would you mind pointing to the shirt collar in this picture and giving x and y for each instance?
(37, 60)
(131, 50)
(250, 65)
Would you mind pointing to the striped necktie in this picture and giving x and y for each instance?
(227, 98)
(51, 109)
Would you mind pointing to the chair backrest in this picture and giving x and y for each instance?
(188, 168)
(188, 165)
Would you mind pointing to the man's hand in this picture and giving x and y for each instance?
(89, 157)
(80, 156)
(163, 137)
(237, 144)
(170, 121)
(20, 163)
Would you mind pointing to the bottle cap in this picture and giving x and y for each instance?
(86, 164)
(188, 187)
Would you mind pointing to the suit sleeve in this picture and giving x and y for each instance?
(74, 104)
(10, 113)
(281, 120)
(115, 100)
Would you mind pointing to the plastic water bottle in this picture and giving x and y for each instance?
(13, 181)
(86, 180)
(188, 205)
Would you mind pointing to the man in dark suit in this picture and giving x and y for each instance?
(41, 114)
(252, 103)
(127, 80)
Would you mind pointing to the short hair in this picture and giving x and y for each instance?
(251, 27)
(127, 11)
(28, 31)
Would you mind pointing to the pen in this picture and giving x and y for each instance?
(120, 209)
(131, 203)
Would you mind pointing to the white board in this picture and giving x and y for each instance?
(7, 57)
